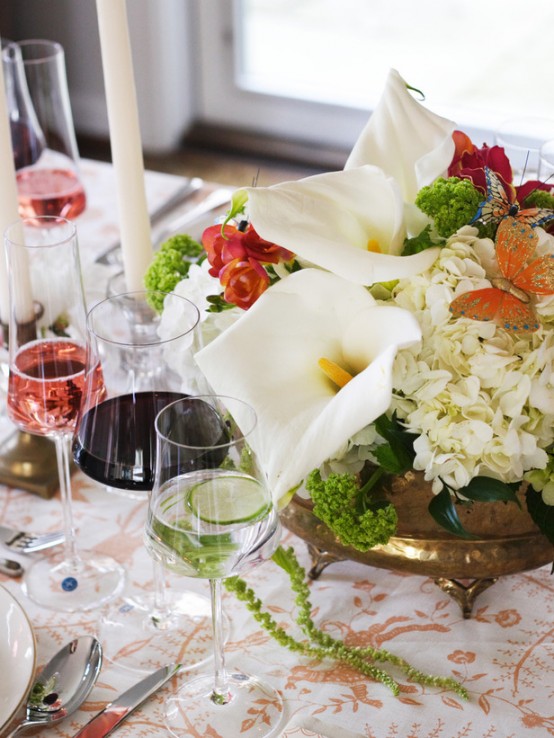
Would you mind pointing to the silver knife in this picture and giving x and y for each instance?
(113, 714)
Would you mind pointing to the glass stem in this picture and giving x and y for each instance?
(221, 694)
(62, 442)
(161, 615)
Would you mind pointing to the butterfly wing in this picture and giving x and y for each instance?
(478, 304)
(494, 304)
(500, 203)
(535, 216)
(497, 203)
(538, 277)
(515, 315)
(515, 245)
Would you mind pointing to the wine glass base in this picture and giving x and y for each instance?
(137, 637)
(91, 581)
(255, 709)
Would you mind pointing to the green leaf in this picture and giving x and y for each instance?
(397, 455)
(390, 460)
(486, 489)
(444, 512)
(238, 203)
(541, 513)
(419, 243)
(218, 304)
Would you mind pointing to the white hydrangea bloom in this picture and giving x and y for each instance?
(481, 400)
(196, 287)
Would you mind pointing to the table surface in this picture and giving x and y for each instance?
(504, 655)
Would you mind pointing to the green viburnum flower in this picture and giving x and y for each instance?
(352, 515)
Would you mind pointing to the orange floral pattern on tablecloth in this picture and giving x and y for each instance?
(504, 655)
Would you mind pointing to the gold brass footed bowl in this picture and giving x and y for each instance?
(507, 541)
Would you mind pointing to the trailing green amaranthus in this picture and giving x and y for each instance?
(321, 645)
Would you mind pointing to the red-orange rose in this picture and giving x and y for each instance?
(236, 244)
(463, 145)
(530, 186)
(262, 250)
(221, 249)
(469, 162)
(244, 281)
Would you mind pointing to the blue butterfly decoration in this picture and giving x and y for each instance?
(500, 204)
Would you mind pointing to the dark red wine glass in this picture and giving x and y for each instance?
(142, 354)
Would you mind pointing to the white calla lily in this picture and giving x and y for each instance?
(404, 139)
(269, 358)
(350, 223)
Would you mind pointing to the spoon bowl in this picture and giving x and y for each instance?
(64, 683)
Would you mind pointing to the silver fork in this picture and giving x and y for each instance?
(25, 542)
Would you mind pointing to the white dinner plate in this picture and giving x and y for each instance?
(17, 656)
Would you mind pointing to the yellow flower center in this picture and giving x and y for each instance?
(336, 373)
(373, 245)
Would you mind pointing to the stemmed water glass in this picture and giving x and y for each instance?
(115, 444)
(47, 345)
(211, 516)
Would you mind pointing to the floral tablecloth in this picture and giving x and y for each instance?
(504, 655)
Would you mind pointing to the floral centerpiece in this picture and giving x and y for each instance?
(396, 315)
(389, 315)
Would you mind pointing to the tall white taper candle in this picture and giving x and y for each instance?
(126, 146)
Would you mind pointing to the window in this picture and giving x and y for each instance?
(313, 69)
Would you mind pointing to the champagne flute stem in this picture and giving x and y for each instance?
(62, 442)
(220, 694)
(161, 615)
(160, 604)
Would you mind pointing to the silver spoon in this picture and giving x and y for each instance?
(63, 685)
(11, 568)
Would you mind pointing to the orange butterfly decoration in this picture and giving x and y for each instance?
(509, 300)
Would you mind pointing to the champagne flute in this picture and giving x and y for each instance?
(28, 140)
(211, 516)
(43, 134)
(47, 344)
(114, 444)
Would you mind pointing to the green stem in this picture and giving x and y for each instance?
(322, 645)
(361, 495)
(372, 481)
(254, 604)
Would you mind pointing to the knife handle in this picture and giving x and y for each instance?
(114, 713)
(103, 723)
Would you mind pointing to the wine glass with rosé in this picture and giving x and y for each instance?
(142, 355)
(212, 516)
(43, 136)
(47, 347)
